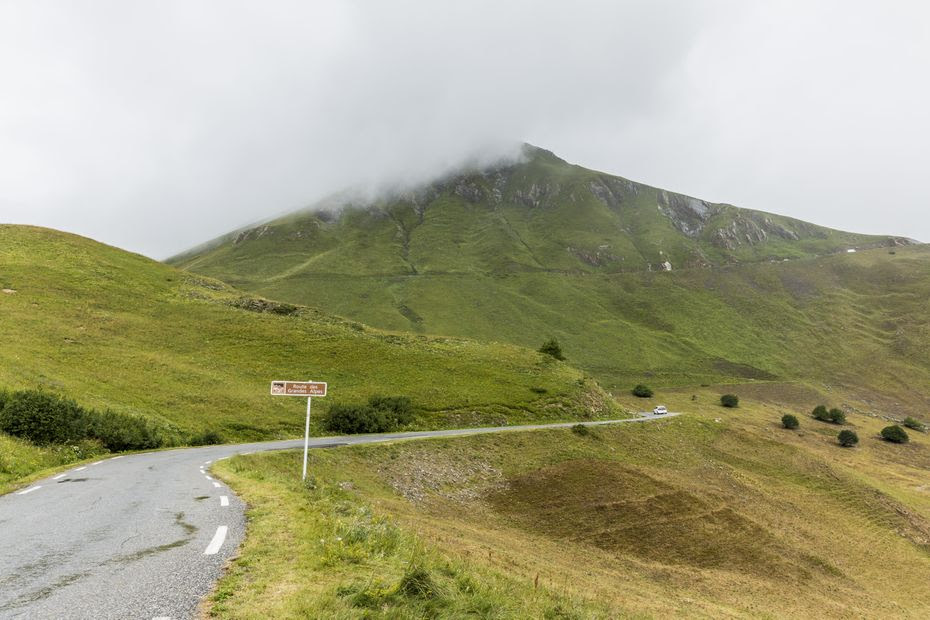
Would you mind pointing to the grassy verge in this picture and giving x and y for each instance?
(718, 513)
(322, 550)
(22, 462)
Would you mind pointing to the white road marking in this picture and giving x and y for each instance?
(162, 618)
(245, 453)
(97, 463)
(208, 462)
(208, 478)
(117, 457)
(224, 501)
(222, 458)
(59, 476)
(217, 541)
(29, 490)
(80, 469)
(217, 484)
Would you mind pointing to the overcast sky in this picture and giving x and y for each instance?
(157, 125)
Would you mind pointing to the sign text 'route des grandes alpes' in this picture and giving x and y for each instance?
(298, 388)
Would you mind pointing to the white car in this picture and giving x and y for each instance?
(660, 410)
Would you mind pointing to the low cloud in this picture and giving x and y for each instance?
(155, 126)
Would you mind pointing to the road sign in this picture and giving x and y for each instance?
(301, 388)
(298, 388)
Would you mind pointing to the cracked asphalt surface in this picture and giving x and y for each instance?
(127, 537)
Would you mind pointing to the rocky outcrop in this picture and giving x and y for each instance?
(687, 214)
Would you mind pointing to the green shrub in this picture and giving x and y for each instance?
(553, 348)
(789, 421)
(207, 438)
(894, 434)
(46, 419)
(381, 415)
(581, 430)
(837, 416)
(820, 413)
(354, 419)
(43, 418)
(398, 410)
(643, 391)
(847, 438)
(909, 422)
(729, 400)
(119, 431)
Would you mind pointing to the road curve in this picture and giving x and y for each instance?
(140, 536)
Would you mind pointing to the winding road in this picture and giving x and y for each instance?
(143, 535)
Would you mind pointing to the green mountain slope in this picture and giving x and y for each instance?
(544, 248)
(114, 329)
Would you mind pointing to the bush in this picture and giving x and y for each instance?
(820, 413)
(381, 415)
(581, 430)
(909, 422)
(119, 431)
(836, 416)
(789, 421)
(206, 438)
(552, 347)
(398, 410)
(847, 438)
(729, 400)
(643, 391)
(45, 419)
(894, 434)
(353, 419)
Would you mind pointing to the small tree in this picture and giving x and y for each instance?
(729, 400)
(820, 413)
(552, 347)
(847, 438)
(894, 434)
(837, 416)
(789, 421)
(643, 391)
(915, 424)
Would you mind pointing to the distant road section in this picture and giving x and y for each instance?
(144, 535)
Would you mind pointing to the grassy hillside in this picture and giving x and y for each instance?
(541, 248)
(717, 513)
(114, 329)
(538, 215)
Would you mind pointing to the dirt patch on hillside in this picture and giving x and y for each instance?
(617, 509)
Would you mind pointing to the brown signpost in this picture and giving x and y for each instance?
(300, 388)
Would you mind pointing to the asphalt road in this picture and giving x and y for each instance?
(139, 536)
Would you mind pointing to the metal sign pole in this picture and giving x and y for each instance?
(307, 437)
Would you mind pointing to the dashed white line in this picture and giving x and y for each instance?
(217, 541)
(29, 490)
(209, 478)
(217, 484)
(80, 469)
(207, 462)
(97, 463)
(117, 457)
(224, 501)
(59, 476)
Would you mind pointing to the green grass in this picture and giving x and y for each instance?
(542, 249)
(114, 329)
(718, 513)
(21, 461)
(321, 550)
